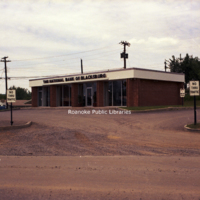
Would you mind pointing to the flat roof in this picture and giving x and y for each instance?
(105, 71)
(108, 75)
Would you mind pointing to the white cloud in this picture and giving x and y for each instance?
(156, 30)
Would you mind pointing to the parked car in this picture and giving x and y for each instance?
(2, 105)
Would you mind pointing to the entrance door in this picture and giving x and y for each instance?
(40, 93)
(89, 96)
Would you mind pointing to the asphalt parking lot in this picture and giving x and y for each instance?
(103, 156)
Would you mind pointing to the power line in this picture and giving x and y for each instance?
(62, 55)
(70, 59)
(108, 54)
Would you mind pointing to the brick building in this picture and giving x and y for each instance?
(123, 87)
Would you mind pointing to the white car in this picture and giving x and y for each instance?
(3, 104)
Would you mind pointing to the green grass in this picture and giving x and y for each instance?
(197, 126)
(3, 110)
(191, 103)
(144, 107)
(186, 104)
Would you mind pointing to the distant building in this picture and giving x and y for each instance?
(122, 87)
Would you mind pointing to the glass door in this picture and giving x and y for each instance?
(89, 96)
(40, 96)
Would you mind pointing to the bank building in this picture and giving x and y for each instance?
(117, 87)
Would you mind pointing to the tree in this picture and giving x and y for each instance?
(21, 93)
(189, 66)
(2, 96)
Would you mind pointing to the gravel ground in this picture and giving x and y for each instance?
(55, 132)
(61, 156)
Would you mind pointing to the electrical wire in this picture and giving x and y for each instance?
(67, 60)
(107, 54)
(63, 54)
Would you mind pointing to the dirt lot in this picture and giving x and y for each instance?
(55, 132)
(61, 156)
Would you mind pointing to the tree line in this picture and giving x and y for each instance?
(21, 93)
(188, 65)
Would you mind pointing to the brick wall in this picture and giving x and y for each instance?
(34, 96)
(53, 95)
(74, 95)
(100, 96)
(141, 92)
(159, 93)
(132, 92)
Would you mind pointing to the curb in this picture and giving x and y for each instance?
(191, 129)
(16, 127)
(108, 108)
(7, 110)
(160, 109)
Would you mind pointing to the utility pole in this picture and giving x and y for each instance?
(165, 65)
(5, 61)
(81, 66)
(124, 54)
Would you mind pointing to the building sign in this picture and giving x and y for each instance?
(194, 88)
(54, 80)
(75, 78)
(11, 96)
(182, 93)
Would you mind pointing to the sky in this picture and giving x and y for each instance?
(49, 37)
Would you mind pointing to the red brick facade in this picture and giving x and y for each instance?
(53, 95)
(141, 92)
(132, 92)
(100, 92)
(74, 95)
(34, 96)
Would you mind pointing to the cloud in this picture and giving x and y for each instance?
(156, 30)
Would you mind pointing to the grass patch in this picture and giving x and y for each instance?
(197, 126)
(186, 104)
(3, 110)
(191, 103)
(144, 107)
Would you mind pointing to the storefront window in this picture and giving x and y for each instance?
(110, 93)
(115, 93)
(87, 94)
(94, 93)
(66, 95)
(63, 95)
(81, 96)
(124, 93)
(40, 96)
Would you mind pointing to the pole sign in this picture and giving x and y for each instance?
(182, 93)
(11, 96)
(194, 88)
(194, 91)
